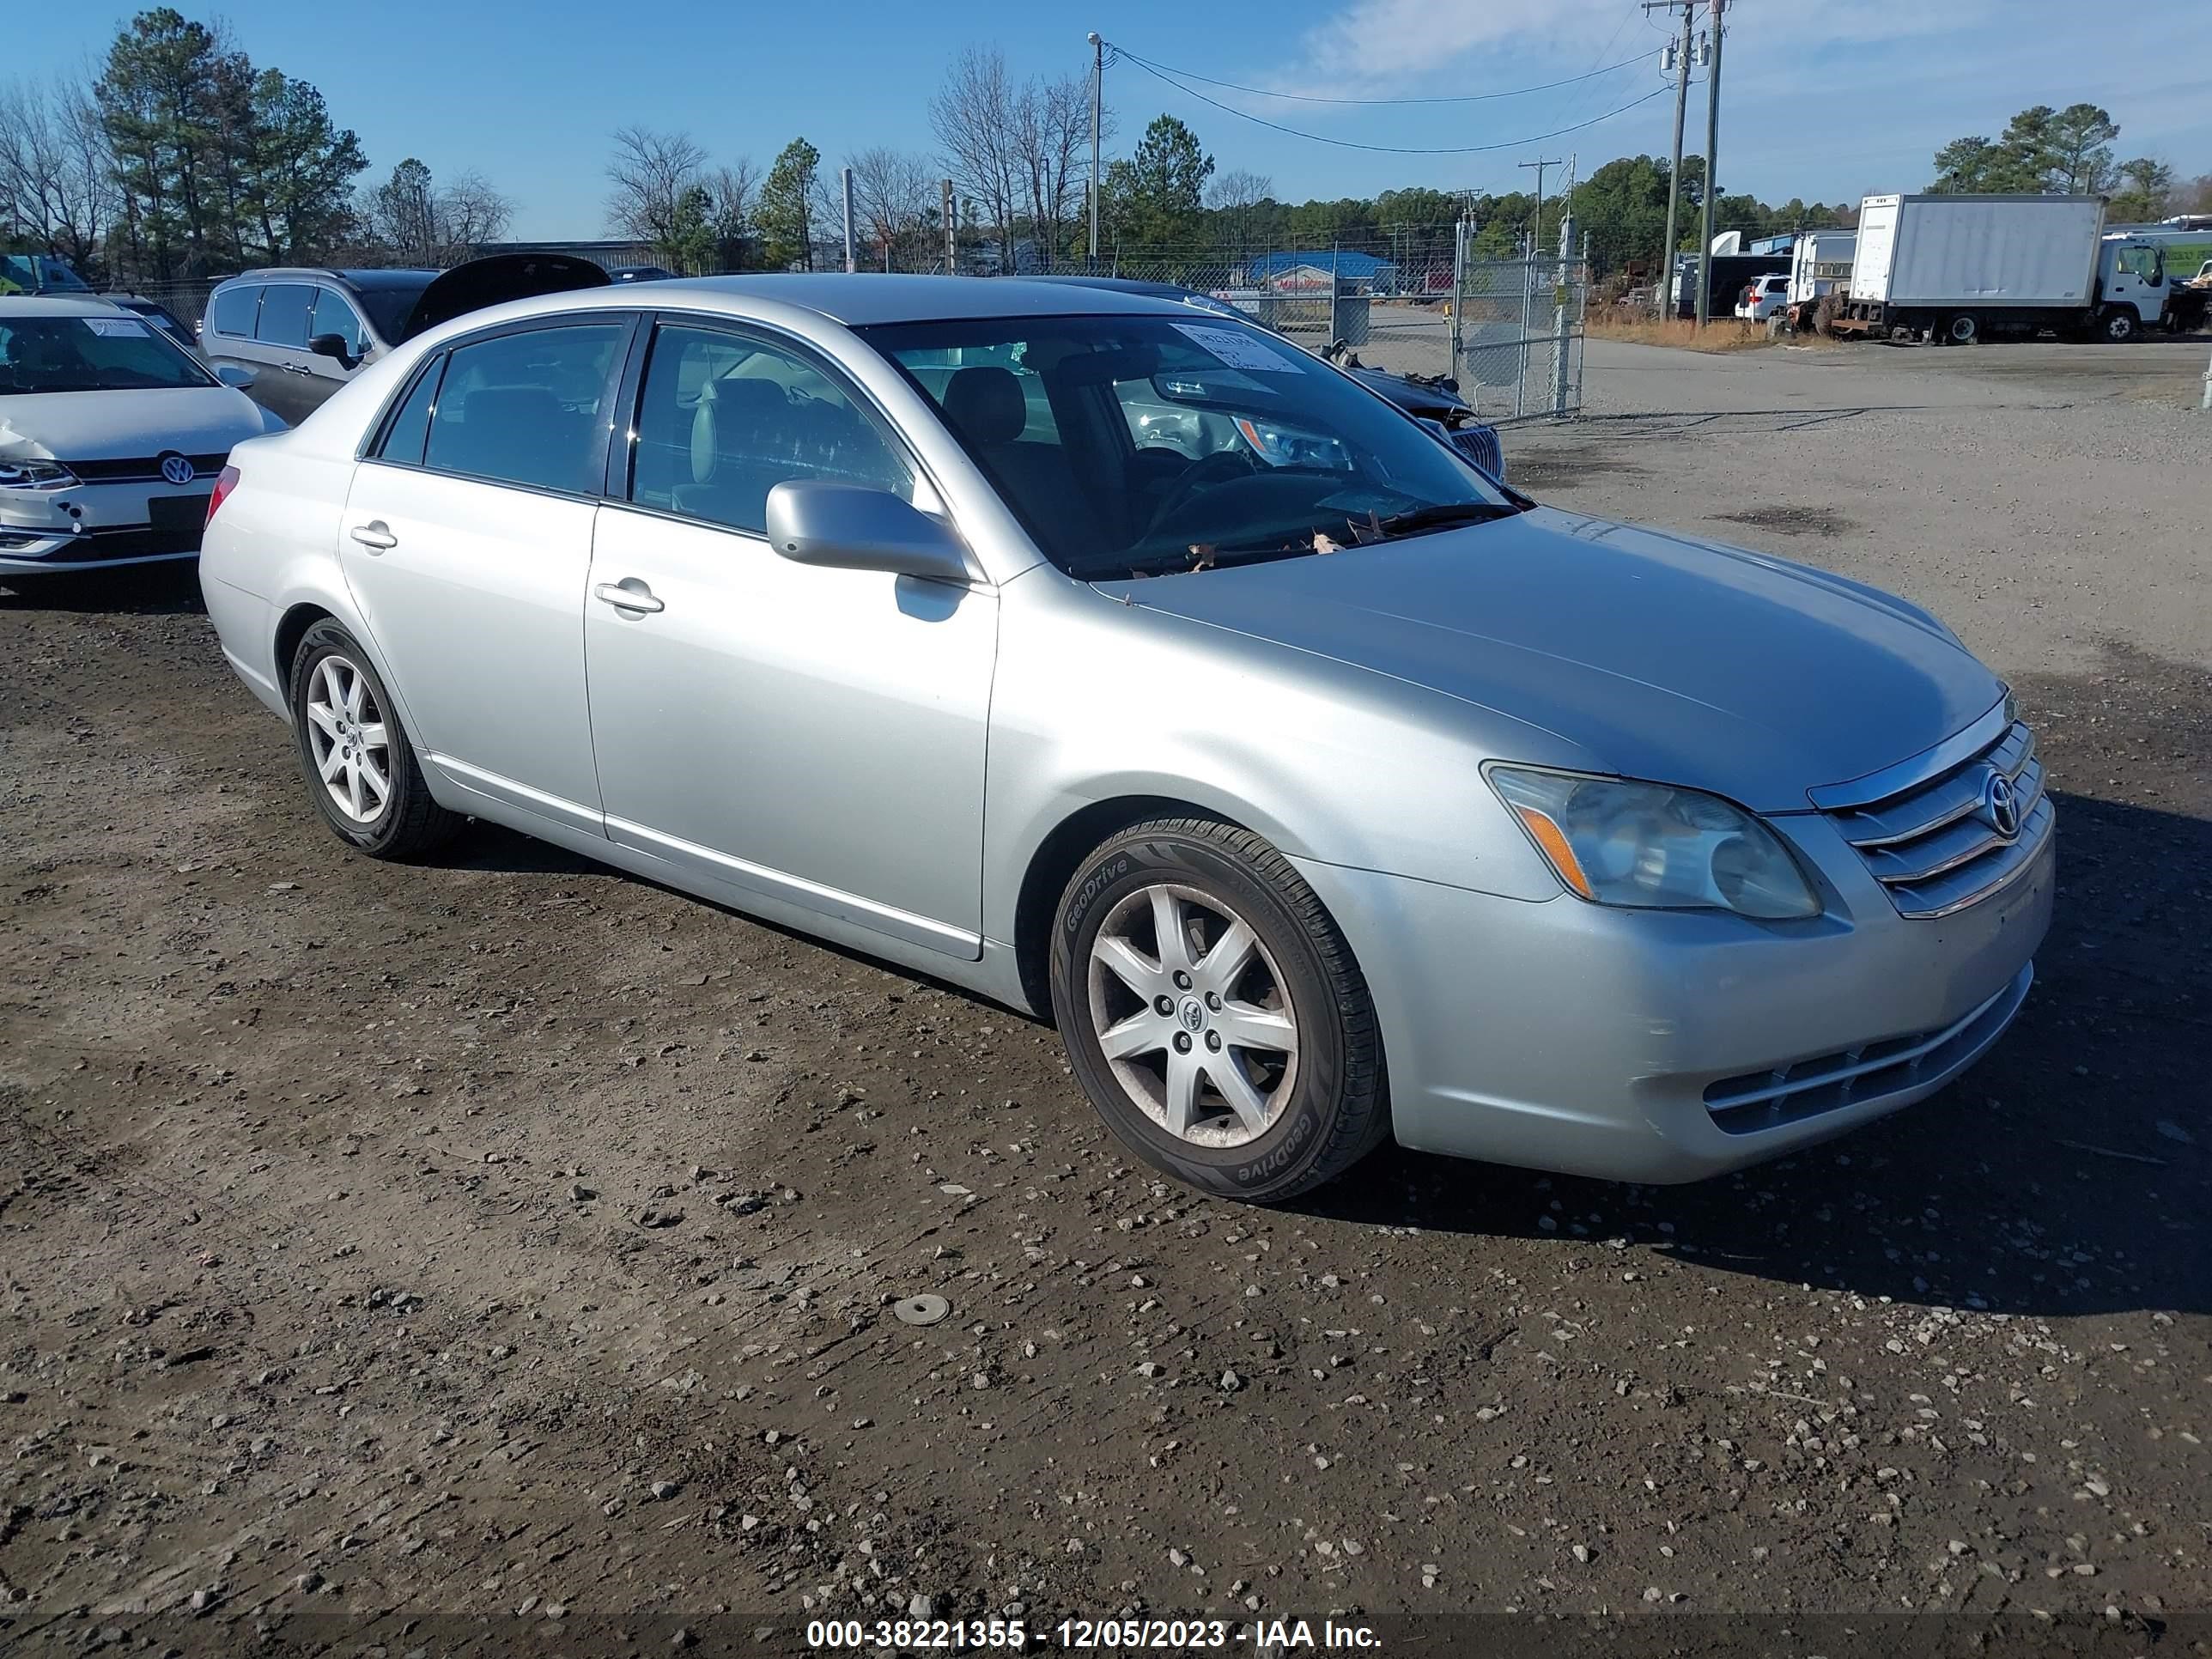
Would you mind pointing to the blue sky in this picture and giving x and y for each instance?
(1823, 98)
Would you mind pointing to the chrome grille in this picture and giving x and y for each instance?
(1936, 846)
(1480, 445)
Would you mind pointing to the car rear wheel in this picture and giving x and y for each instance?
(1213, 1012)
(360, 769)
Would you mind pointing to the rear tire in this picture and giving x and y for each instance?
(360, 768)
(1245, 1058)
(1962, 329)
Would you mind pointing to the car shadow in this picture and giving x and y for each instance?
(2069, 1172)
(170, 588)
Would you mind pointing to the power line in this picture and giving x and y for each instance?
(1390, 149)
(1380, 103)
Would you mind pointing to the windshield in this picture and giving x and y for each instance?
(1148, 442)
(34, 273)
(117, 353)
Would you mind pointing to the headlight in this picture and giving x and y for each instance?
(1286, 446)
(1650, 846)
(35, 475)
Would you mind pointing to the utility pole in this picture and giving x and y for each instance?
(1536, 230)
(1097, 100)
(1715, 28)
(849, 266)
(952, 245)
(1663, 287)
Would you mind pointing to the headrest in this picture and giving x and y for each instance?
(730, 417)
(984, 404)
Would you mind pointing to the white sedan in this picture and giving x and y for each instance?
(111, 438)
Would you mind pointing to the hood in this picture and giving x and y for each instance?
(1436, 399)
(1654, 656)
(110, 426)
(494, 279)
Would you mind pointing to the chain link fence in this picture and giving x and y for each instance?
(1516, 336)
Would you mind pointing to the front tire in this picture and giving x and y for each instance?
(1213, 1012)
(360, 768)
(2121, 325)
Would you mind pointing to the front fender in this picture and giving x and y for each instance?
(1097, 701)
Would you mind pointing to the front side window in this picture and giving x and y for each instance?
(234, 309)
(284, 320)
(725, 418)
(528, 409)
(115, 353)
(333, 315)
(1147, 442)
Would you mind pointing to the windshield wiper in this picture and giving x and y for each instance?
(1443, 515)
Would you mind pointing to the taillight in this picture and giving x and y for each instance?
(225, 482)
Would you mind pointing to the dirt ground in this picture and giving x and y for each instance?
(500, 1256)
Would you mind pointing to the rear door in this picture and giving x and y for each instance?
(467, 541)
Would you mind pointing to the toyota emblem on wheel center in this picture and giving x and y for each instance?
(176, 468)
(2001, 804)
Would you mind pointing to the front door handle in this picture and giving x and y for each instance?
(295, 368)
(628, 594)
(376, 536)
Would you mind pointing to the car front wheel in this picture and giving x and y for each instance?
(360, 769)
(1213, 1012)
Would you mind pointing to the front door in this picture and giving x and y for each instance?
(808, 736)
(467, 540)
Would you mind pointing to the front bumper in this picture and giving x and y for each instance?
(98, 526)
(1669, 1046)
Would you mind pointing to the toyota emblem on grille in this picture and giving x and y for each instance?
(2001, 804)
(176, 468)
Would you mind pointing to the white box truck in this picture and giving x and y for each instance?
(1957, 269)
(1819, 265)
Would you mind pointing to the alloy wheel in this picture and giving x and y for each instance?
(346, 737)
(1192, 1014)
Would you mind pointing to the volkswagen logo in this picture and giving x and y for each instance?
(2001, 804)
(175, 469)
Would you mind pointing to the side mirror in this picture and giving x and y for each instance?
(234, 377)
(847, 526)
(332, 345)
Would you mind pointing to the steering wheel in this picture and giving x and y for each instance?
(1217, 468)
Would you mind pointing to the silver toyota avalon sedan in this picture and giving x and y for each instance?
(1138, 668)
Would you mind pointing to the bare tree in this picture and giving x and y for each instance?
(57, 184)
(470, 212)
(1233, 196)
(651, 174)
(413, 217)
(975, 117)
(1052, 148)
(895, 206)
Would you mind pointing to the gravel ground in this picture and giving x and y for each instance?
(501, 1254)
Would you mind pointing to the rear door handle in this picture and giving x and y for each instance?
(628, 594)
(376, 536)
(295, 368)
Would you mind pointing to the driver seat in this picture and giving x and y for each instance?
(984, 406)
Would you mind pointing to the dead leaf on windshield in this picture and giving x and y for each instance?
(1201, 555)
(1324, 543)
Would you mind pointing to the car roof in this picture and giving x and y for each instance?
(860, 300)
(383, 276)
(54, 304)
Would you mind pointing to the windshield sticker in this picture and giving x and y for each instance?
(1237, 350)
(114, 327)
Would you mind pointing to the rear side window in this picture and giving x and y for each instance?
(410, 426)
(284, 320)
(233, 311)
(529, 408)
